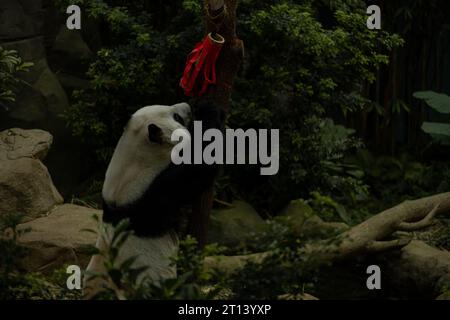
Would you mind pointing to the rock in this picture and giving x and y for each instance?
(232, 226)
(298, 209)
(302, 219)
(20, 18)
(50, 88)
(230, 264)
(423, 271)
(18, 143)
(70, 50)
(57, 240)
(27, 188)
(40, 103)
(71, 82)
(37, 30)
(71, 56)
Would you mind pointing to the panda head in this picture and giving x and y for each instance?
(143, 151)
(157, 123)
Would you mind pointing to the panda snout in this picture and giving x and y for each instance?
(181, 134)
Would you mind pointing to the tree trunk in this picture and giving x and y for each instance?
(220, 17)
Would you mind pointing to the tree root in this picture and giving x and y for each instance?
(369, 237)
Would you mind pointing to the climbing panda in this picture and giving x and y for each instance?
(144, 186)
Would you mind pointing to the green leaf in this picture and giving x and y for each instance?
(438, 101)
(343, 214)
(440, 132)
(357, 173)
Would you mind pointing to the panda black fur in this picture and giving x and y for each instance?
(142, 184)
(152, 205)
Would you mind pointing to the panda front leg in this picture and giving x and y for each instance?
(153, 253)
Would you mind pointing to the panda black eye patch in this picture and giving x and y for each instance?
(155, 133)
(179, 119)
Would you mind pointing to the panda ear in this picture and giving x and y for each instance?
(155, 133)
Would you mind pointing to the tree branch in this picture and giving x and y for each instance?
(425, 222)
(367, 237)
(381, 246)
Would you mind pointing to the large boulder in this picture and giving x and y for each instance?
(422, 269)
(43, 101)
(61, 59)
(20, 19)
(235, 225)
(18, 143)
(70, 51)
(26, 188)
(49, 86)
(25, 183)
(58, 239)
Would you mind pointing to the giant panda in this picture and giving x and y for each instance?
(143, 185)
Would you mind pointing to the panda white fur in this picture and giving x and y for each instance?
(142, 185)
(143, 152)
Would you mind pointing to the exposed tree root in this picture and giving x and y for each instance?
(375, 235)
(372, 235)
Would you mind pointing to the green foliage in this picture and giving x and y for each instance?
(10, 66)
(442, 238)
(11, 251)
(138, 65)
(440, 132)
(328, 209)
(123, 277)
(301, 66)
(14, 284)
(394, 179)
(285, 270)
(192, 277)
(127, 282)
(438, 101)
(342, 180)
(57, 283)
(280, 233)
(305, 59)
